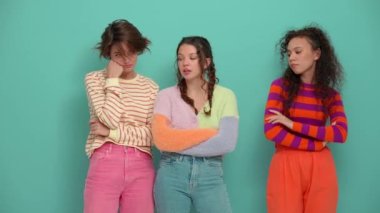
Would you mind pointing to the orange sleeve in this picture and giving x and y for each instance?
(169, 139)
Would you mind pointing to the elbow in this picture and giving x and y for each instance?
(160, 141)
(230, 145)
(344, 134)
(340, 134)
(162, 138)
(267, 131)
(222, 150)
(343, 139)
(226, 150)
(228, 139)
(268, 136)
(230, 148)
(158, 138)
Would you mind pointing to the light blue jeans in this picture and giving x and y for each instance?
(184, 181)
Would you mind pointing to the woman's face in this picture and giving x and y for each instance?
(121, 54)
(188, 62)
(302, 58)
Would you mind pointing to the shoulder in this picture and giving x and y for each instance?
(334, 94)
(95, 75)
(148, 81)
(278, 85)
(95, 78)
(223, 96)
(221, 91)
(225, 100)
(165, 98)
(169, 93)
(278, 82)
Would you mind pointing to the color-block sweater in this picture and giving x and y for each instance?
(176, 127)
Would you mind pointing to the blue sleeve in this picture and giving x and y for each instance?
(224, 142)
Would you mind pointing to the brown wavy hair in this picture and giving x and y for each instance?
(328, 70)
(122, 31)
(204, 52)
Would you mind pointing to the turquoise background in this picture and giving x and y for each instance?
(46, 48)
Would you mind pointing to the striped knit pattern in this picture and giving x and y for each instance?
(124, 106)
(309, 117)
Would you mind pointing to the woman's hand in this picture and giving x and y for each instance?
(98, 128)
(114, 70)
(279, 118)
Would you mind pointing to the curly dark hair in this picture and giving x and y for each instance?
(328, 70)
(122, 31)
(204, 52)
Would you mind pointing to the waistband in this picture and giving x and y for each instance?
(280, 148)
(182, 157)
(115, 148)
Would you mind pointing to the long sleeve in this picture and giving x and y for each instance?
(131, 134)
(279, 133)
(169, 139)
(125, 106)
(104, 100)
(331, 133)
(226, 139)
(224, 142)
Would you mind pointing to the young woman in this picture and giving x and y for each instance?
(121, 173)
(185, 122)
(302, 176)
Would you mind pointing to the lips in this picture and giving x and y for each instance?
(186, 72)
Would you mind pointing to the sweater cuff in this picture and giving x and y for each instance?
(114, 134)
(110, 82)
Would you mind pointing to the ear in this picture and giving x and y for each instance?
(207, 63)
(317, 54)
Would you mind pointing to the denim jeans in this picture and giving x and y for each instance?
(184, 181)
(119, 177)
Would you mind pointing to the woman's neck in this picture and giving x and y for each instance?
(307, 77)
(128, 75)
(196, 87)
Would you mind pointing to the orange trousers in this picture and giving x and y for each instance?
(302, 182)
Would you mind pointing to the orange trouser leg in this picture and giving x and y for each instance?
(302, 182)
(322, 196)
(284, 191)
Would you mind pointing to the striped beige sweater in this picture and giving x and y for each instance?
(124, 106)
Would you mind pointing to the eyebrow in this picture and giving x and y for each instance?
(295, 48)
(191, 54)
(120, 51)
